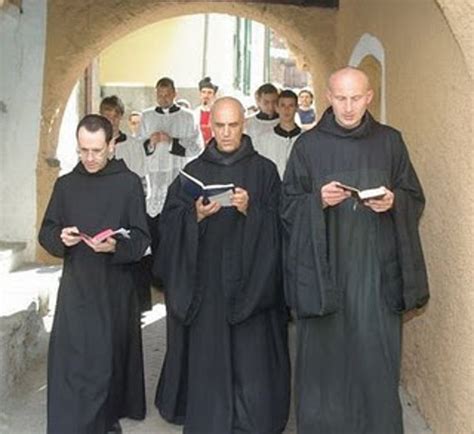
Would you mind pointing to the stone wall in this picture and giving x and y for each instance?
(19, 337)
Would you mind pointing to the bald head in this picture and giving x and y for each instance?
(349, 94)
(227, 121)
(348, 74)
(227, 102)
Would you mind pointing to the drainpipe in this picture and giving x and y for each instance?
(205, 46)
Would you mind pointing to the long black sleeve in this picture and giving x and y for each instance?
(259, 284)
(176, 261)
(408, 209)
(132, 250)
(309, 287)
(50, 231)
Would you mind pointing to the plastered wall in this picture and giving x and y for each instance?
(22, 42)
(429, 98)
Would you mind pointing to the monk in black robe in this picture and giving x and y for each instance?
(95, 364)
(226, 369)
(351, 267)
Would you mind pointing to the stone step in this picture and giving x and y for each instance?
(25, 301)
(28, 283)
(11, 256)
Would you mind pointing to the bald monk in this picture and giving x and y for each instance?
(352, 266)
(226, 369)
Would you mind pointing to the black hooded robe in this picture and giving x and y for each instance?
(95, 363)
(226, 369)
(349, 274)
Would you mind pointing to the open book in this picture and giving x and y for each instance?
(220, 193)
(370, 193)
(103, 235)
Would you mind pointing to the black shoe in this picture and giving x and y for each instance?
(116, 428)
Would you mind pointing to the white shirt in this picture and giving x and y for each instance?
(276, 145)
(163, 162)
(255, 126)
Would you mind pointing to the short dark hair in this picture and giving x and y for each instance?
(112, 103)
(165, 82)
(206, 83)
(94, 123)
(288, 93)
(306, 91)
(266, 88)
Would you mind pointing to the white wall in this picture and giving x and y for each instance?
(66, 150)
(220, 52)
(22, 48)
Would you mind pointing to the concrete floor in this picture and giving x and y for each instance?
(24, 413)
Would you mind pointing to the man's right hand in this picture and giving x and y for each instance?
(332, 194)
(70, 236)
(203, 211)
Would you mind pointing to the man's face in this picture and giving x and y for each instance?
(207, 96)
(349, 96)
(305, 100)
(134, 122)
(286, 109)
(93, 149)
(165, 96)
(228, 125)
(114, 117)
(267, 103)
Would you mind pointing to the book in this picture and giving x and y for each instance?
(220, 193)
(370, 193)
(103, 235)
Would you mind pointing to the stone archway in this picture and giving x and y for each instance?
(77, 33)
(458, 15)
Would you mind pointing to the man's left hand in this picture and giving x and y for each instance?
(106, 246)
(240, 199)
(383, 204)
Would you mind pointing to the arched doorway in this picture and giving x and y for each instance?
(81, 33)
(372, 67)
(245, 55)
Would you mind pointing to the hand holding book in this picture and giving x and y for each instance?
(379, 199)
(102, 242)
(362, 195)
(206, 210)
(239, 199)
(102, 236)
(221, 193)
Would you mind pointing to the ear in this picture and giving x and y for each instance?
(370, 96)
(329, 96)
(111, 148)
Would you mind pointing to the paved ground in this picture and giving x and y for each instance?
(24, 413)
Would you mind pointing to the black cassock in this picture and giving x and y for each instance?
(226, 369)
(349, 274)
(95, 363)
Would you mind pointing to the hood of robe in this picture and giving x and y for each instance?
(213, 154)
(112, 167)
(328, 125)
